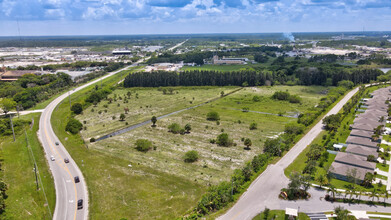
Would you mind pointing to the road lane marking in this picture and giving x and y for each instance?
(49, 140)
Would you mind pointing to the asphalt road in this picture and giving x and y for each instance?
(67, 191)
(263, 192)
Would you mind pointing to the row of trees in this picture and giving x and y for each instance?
(303, 76)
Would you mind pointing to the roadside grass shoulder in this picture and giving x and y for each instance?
(279, 215)
(24, 200)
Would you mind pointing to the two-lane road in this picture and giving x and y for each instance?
(67, 191)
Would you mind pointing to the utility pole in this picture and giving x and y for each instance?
(35, 165)
(12, 126)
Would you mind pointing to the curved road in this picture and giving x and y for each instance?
(67, 191)
(265, 189)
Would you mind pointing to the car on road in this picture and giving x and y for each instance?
(77, 179)
(79, 204)
(52, 158)
(66, 160)
(57, 143)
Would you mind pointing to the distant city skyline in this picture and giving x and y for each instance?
(123, 17)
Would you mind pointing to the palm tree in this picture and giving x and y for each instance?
(322, 180)
(374, 194)
(332, 190)
(386, 195)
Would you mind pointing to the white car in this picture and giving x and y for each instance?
(52, 158)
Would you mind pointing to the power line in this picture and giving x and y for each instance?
(37, 175)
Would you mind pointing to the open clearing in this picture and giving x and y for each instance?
(216, 163)
(142, 104)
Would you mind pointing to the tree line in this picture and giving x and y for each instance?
(302, 76)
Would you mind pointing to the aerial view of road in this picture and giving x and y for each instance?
(263, 192)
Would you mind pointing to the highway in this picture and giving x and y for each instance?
(263, 192)
(67, 191)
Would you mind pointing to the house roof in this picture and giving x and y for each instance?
(361, 141)
(361, 150)
(354, 160)
(361, 133)
(361, 126)
(343, 169)
(372, 122)
(376, 112)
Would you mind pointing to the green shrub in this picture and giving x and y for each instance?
(213, 116)
(175, 128)
(73, 126)
(191, 156)
(256, 98)
(223, 140)
(280, 95)
(294, 99)
(92, 140)
(253, 126)
(143, 145)
(77, 108)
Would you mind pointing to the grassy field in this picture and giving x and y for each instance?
(216, 163)
(143, 104)
(24, 201)
(118, 191)
(218, 67)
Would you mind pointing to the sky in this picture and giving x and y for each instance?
(122, 17)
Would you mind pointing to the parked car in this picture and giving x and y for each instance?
(57, 143)
(52, 158)
(77, 179)
(66, 160)
(79, 204)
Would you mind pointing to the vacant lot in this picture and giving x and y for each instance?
(142, 103)
(216, 163)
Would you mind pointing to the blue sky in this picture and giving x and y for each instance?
(92, 17)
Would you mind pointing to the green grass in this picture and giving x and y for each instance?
(382, 167)
(24, 201)
(117, 190)
(150, 102)
(216, 163)
(378, 213)
(279, 215)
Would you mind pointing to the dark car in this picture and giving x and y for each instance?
(79, 204)
(66, 160)
(57, 143)
(77, 179)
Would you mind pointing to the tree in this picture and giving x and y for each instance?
(191, 156)
(342, 214)
(253, 126)
(7, 105)
(247, 143)
(77, 108)
(332, 122)
(73, 126)
(305, 182)
(294, 128)
(374, 194)
(153, 120)
(332, 190)
(126, 110)
(368, 179)
(188, 128)
(143, 145)
(213, 116)
(294, 185)
(386, 195)
(223, 140)
(273, 147)
(122, 117)
(322, 180)
(222, 93)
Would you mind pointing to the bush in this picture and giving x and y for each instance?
(174, 128)
(191, 156)
(294, 99)
(92, 140)
(256, 98)
(143, 145)
(253, 126)
(74, 126)
(77, 108)
(223, 140)
(280, 95)
(213, 116)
